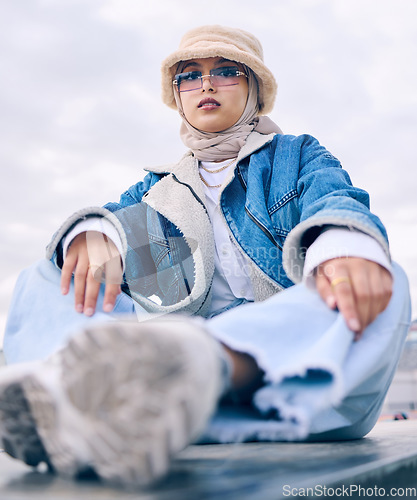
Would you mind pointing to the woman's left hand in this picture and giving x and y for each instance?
(359, 288)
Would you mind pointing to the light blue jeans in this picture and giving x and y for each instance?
(41, 320)
(319, 383)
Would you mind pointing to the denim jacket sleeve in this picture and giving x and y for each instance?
(326, 197)
(144, 232)
(131, 197)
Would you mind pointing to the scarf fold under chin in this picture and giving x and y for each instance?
(217, 146)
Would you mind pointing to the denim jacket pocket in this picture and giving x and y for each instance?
(284, 215)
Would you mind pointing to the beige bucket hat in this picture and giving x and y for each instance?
(220, 41)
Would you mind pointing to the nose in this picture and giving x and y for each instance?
(207, 85)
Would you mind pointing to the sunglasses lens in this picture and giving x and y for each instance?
(225, 76)
(191, 80)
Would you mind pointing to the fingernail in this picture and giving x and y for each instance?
(108, 307)
(89, 311)
(354, 325)
(331, 302)
(64, 290)
(79, 308)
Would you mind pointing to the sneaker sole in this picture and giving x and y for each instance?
(136, 394)
(19, 435)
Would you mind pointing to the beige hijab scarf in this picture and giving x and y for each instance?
(208, 146)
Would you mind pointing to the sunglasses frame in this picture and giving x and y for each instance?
(177, 83)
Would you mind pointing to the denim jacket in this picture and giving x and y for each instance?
(283, 191)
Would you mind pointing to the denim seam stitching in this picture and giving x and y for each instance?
(285, 199)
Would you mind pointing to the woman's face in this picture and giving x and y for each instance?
(213, 108)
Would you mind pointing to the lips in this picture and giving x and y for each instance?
(208, 103)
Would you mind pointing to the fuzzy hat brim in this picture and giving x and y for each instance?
(230, 43)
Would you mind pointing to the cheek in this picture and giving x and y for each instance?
(244, 91)
(243, 101)
(186, 105)
(240, 101)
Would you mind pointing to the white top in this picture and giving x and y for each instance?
(231, 279)
(231, 276)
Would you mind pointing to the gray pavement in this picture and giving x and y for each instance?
(386, 457)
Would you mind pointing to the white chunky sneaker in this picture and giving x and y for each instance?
(121, 398)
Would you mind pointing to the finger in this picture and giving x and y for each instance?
(114, 271)
(114, 276)
(346, 304)
(325, 290)
(96, 271)
(80, 275)
(91, 292)
(364, 299)
(387, 283)
(72, 259)
(377, 303)
(66, 273)
(373, 287)
(381, 285)
(110, 296)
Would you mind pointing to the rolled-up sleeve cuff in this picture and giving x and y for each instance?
(99, 224)
(340, 242)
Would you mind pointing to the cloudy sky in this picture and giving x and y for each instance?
(81, 113)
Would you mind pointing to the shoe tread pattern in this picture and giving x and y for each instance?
(18, 428)
(149, 387)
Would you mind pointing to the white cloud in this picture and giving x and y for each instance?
(76, 111)
(82, 115)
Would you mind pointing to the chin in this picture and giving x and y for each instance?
(212, 128)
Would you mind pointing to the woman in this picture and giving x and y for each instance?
(246, 213)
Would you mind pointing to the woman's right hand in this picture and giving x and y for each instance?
(90, 256)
